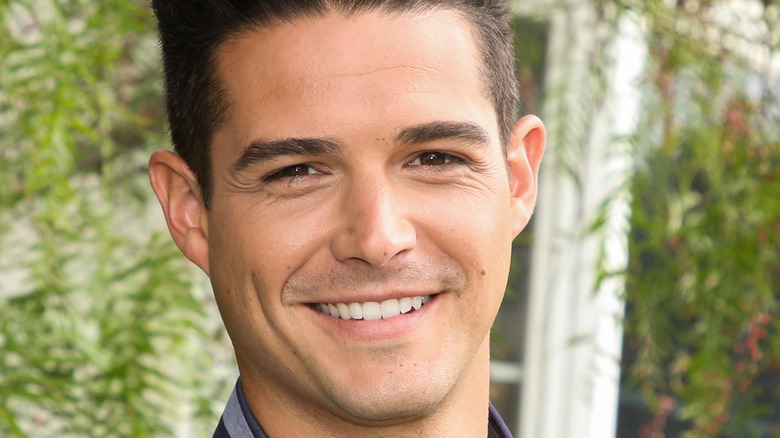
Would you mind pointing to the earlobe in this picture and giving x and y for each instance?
(524, 155)
(179, 194)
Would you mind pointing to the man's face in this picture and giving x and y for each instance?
(359, 168)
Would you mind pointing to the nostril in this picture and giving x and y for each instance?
(376, 227)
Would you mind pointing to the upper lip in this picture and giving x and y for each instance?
(364, 298)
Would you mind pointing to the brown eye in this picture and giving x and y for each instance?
(297, 170)
(433, 158)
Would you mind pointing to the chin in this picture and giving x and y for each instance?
(393, 401)
(387, 407)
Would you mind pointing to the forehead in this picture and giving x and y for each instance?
(323, 73)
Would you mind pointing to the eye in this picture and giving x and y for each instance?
(433, 158)
(294, 171)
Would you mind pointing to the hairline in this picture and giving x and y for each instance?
(220, 96)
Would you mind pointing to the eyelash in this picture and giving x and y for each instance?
(448, 160)
(280, 174)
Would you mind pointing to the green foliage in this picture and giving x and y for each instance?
(703, 280)
(98, 310)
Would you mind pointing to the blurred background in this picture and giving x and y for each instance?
(643, 299)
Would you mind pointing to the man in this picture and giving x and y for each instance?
(350, 176)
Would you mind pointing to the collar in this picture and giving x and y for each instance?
(237, 420)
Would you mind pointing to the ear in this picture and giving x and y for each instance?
(524, 154)
(180, 197)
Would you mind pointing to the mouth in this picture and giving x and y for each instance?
(372, 310)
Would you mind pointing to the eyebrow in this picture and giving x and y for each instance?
(443, 130)
(260, 151)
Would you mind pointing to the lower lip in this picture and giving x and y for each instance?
(360, 330)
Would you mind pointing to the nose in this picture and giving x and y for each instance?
(376, 224)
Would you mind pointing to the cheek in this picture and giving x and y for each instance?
(254, 253)
(477, 236)
(473, 229)
(236, 255)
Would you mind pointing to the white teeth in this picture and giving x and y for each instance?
(356, 311)
(405, 304)
(390, 308)
(371, 310)
(344, 312)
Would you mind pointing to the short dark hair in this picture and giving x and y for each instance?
(192, 31)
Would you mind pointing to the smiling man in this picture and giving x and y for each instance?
(350, 176)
